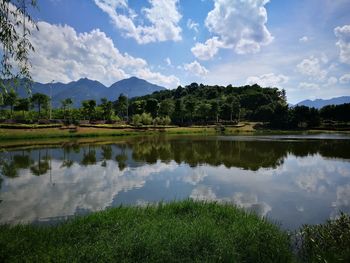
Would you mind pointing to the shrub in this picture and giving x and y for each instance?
(329, 242)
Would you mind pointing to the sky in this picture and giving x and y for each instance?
(302, 46)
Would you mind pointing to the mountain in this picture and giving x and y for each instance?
(86, 89)
(133, 87)
(319, 103)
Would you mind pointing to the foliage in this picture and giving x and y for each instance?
(41, 100)
(186, 231)
(121, 106)
(329, 242)
(16, 26)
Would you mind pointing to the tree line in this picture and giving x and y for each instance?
(192, 104)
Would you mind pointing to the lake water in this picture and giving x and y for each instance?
(292, 180)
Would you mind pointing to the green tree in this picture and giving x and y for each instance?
(152, 107)
(179, 111)
(121, 106)
(138, 106)
(234, 104)
(107, 109)
(166, 107)
(10, 99)
(66, 103)
(41, 101)
(190, 106)
(16, 25)
(23, 105)
(214, 110)
(89, 108)
(203, 111)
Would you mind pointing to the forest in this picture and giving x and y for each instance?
(194, 104)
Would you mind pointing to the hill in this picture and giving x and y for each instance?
(86, 89)
(319, 103)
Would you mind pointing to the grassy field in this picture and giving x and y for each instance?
(26, 133)
(185, 231)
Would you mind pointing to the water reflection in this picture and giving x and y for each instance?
(291, 181)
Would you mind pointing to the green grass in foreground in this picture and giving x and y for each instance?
(185, 231)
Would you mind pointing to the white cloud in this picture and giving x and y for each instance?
(168, 61)
(239, 24)
(311, 67)
(203, 193)
(268, 80)
(343, 43)
(304, 39)
(163, 17)
(196, 68)
(64, 55)
(29, 198)
(207, 50)
(332, 81)
(306, 85)
(192, 25)
(344, 79)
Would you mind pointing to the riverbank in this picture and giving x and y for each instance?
(185, 231)
(42, 132)
(37, 132)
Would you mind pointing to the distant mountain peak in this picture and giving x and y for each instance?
(86, 89)
(319, 103)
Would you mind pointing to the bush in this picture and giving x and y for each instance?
(146, 119)
(329, 242)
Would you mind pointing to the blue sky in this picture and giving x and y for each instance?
(301, 46)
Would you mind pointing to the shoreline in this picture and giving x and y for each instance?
(93, 131)
(184, 231)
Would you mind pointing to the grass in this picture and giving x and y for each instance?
(12, 134)
(329, 242)
(186, 231)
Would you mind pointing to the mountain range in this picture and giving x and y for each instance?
(86, 89)
(319, 103)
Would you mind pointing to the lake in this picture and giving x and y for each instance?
(290, 179)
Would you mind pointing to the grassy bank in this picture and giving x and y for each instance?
(184, 231)
(42, 132)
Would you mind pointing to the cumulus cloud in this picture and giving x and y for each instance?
(344, 79)
(192, 25)
(196, 68)
(306, 85)
(312, 68)
(304, 39)
(268, 80)
(64, 55)
(207, 50)
(163, 18)
(332, 81)
(240, 25)
(30, 198)
(343, 43)
(203, 193)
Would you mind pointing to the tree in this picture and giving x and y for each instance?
(203, 111)
(107, 109)
(190, 106)
(66, 103)
(10, 99)
(166, 107)
(152, 107)
(214, 110)
(233, 102)
(121, 106)
(23, 105)
(179, 111)
(16, 25)
(41, 100)
(138, 106)
(89, 108)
